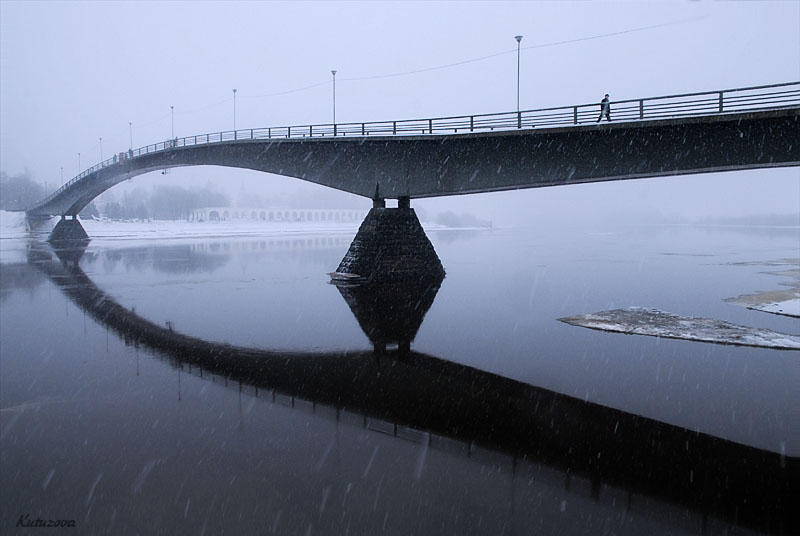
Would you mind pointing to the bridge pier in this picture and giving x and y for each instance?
(390, 276)
(68, 230)
(390, 246)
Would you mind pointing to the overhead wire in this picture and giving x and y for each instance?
(490, 56)
(426, 69)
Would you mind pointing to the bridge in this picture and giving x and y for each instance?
(458, 407)
(722, 130)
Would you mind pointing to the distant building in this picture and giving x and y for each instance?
(277, 214)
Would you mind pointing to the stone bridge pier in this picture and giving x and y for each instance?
(390, 247)
(68, 229)
(390, 276)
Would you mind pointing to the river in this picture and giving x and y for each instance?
(209, 385)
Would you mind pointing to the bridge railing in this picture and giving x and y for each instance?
(755, 98)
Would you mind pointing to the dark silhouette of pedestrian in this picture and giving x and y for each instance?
(605, 109)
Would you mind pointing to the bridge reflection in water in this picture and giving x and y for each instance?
(617, 458)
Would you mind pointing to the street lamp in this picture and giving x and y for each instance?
(79, 163)
(101, 149)
(234, 110)
(333, 72)
(518, 38)
(130, 131)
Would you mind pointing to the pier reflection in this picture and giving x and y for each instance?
(389, 313)
(588, 448)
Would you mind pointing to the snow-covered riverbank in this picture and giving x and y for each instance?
(13, 226)
(15, 234)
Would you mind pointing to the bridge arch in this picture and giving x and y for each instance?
(429, 165)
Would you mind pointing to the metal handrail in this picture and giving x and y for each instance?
(718, 102)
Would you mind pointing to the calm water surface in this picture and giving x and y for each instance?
(224, 386)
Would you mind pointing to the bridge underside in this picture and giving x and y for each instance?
(428, 166)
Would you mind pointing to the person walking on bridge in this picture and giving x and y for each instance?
(605, 109)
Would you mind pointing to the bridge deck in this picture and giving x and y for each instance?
(694, 133)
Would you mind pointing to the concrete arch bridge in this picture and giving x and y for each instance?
(721, 130)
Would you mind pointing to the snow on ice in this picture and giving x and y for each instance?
(656, 323)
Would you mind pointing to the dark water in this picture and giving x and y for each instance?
(224, 386)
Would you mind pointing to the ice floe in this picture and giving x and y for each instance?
(656, 323)
(780, 302)
(789, 307)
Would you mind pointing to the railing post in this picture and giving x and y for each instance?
(641, 108)
(720, 101)
(362, 129)
(471, 123)
(334, 129)
(519, 119)
(251, 133)
(430, 126)
(310, 131)
(288, 132)
(234, 135)
(269, 133)
(394, 127)
(575, 115)
(206, 138)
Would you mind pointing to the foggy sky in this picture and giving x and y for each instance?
(72, 72)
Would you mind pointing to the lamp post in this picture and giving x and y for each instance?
(234, 110)
(333, 72)
(101, 149)
(62, 174)
(79, 163)
(172, 117)
(518, 38)
(130, 131)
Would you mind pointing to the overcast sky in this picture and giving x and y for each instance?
(73, 72)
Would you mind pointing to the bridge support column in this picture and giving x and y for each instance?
(390, 276)
(390, 246)
(377, 200)
(68, 230)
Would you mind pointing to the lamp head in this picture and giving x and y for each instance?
(518, 38)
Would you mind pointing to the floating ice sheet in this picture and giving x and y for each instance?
(780, 302)
(643, 321)
(789, 307)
